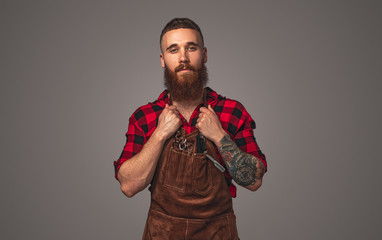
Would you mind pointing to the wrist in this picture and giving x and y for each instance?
(219, 136)
(158, 136)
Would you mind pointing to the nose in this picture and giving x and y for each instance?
(183, 56)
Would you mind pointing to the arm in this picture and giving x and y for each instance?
(245, 169)
(136, 174)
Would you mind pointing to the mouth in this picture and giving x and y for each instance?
(184, 68)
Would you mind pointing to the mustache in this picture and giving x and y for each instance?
(183, 66)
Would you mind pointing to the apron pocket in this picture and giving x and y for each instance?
(175, 175)
(201, 175)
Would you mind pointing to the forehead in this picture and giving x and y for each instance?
(181, 36)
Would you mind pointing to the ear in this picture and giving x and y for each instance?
(205, 55)
(162, 61)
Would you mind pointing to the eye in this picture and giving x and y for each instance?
(173, 50)
(192, 48)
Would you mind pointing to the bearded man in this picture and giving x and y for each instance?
(188, 145)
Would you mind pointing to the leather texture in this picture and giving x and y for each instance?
(190, 198)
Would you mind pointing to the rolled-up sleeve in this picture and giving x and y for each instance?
(135, 139)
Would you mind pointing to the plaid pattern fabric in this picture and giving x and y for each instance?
(235, 120)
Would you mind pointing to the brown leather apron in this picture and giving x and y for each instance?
(189, 196)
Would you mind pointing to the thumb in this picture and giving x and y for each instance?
(210, 108)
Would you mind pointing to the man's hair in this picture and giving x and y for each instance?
(177, 23)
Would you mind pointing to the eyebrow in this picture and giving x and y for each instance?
(192, 43)
(188, 44)
(171, 46)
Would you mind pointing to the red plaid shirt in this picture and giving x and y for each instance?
(235, 120)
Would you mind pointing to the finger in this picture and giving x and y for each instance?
(210, 108)
(176, 112)
(180, 123)
(172, 107)
(204, 110)
(173, 113)
(166, 106)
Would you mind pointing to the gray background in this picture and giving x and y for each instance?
(72, 73)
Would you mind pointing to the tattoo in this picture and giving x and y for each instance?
(226, 156)
(242, 166)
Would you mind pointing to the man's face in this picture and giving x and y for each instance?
(182, 46)
(183, 57)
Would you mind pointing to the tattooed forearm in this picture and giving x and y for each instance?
(243, 167)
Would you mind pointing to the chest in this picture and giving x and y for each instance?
(188, 114)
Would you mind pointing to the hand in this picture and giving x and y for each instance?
(169, 121)
(209, 125)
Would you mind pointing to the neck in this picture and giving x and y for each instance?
(188, 104)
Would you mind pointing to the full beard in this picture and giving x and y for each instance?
(187, 87)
